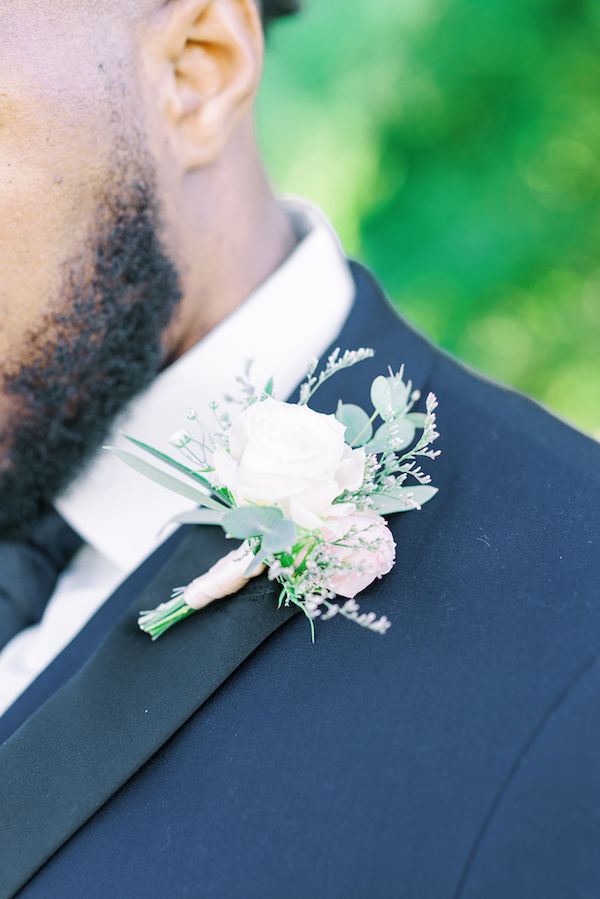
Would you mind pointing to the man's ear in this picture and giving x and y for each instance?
(207, 55)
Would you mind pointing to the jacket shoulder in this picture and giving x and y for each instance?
(472, 397)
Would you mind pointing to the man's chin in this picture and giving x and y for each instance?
(106, 346)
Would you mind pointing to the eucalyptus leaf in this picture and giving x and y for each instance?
(386, 504)
(417, 418)
(166, 480)
(400, 393)
(251, 521)
(282, 537)
(381, 396)
(359, 429)
(379, 441)
(404, 429)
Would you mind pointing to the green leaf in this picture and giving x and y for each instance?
(379, 441)
(400, 392)
(166, 480)
(173, 463)
(251, 521)
(386, 504)
(278, 540)
(281, 538)
(359, 429)
(404, 429)
(381, 397)
(417, 418)
(390, 396)
(269, 387)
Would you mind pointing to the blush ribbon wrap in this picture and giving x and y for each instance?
(226, 577)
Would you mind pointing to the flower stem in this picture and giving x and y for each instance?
(156, 621)
(355, 442)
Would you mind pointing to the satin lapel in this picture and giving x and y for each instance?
(125, 702)
(89, 738)
(79, 650)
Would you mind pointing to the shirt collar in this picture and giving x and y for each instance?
(293, 316)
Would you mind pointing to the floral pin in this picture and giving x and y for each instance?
(306, 492)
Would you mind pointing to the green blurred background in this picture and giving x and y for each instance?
(455, 144)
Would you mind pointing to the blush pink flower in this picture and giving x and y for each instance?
(365, 544)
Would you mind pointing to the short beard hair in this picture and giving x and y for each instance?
(106, 346)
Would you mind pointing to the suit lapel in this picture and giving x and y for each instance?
(82, 647)
(123, 704)
(130, 696)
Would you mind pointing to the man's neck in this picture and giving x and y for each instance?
(228, 260)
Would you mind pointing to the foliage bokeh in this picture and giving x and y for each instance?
(455, 144)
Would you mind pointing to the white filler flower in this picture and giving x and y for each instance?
(290, 457)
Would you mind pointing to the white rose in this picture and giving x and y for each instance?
(290, 457)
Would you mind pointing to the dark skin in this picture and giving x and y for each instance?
(134, 212)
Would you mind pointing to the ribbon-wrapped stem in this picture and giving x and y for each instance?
(226, 577)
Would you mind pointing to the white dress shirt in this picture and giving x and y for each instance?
(293, 316)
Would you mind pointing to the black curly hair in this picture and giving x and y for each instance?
(276, 9)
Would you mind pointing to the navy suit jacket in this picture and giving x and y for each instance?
(455, 757)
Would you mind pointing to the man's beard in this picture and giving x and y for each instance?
(106, 346)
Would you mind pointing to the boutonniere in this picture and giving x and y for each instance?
(306, 493)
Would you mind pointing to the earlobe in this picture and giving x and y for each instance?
(212, 53)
